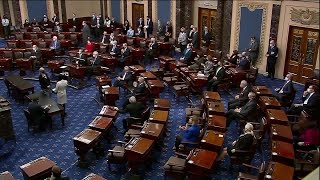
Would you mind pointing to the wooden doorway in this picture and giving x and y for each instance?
(302, 52)
(137, 12)
(207, 17)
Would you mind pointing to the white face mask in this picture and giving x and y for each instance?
(309, 90)
(286, 78)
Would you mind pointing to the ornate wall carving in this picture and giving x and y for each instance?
(275, 21)
(304, 16)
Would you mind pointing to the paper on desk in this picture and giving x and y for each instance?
(106, 86)
(62, 67)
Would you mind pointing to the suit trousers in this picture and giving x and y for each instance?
(233, 104)
(271, 68)
(232, 115)
(213, 85)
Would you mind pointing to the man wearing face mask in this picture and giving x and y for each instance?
(272, 56)
(115, 50)
(85, 32)
(36, 56)
(284, 93)
(186, 55)
(45, 23)
(242, 98)
(149, 26)
(310, 104)
(216, 79)
(253, 51)
(182, 39)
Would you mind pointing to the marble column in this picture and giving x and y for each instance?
(6, 9)
(125, 9)
(56, 6)
(150, 9)
(275, 21)
(226, 26)
(23, 10)
(64, 11)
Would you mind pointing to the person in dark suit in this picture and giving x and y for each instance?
(74, 22)
(242, 98)
(55, 45)
(93, 24)
(125, 76)
(45, 23)
(245, 111)
(244, 143)
(98, 23)
(244, 63)
(168, 32)
(85, 33)
(113, 22)
(253, 51)
(36, 57)
(115, 50)
(95, 60)
(190, 134)
(190, 34)
(135, 109)
(81, 58)
(55, 18)
(272, 56)
(216, 79)
(234, 57)
(140, 33)
(195, 38)
(140, 23)
(149, 26)
(44, 80)
(151, 51)
(104, 39)
(186, 55)
(207, 37)
(139, 88)
(126, 26)
(284, 93)
(310, 104)
(125, 52)
(38, 115)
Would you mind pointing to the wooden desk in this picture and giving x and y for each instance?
(262, 91)
(212, 140)
(211, 96)
(215, 108)
(6, 176)
(281, 133)
(108, 111)
(164, 62)
(109, 61)
(101, 124)
(55, 65)
(54, 108)
(176, 64)
(158, 116)
(236, 75)
(186, 71)
(148, 76)
(23, 87)
(137, 69)
(137, 54)
(37, 169)
(275, 116)
(103, 80)
(268, 102)
(158, 72)
(197, 81)
(137, 150)
(282, 152)
(162, 104)
(156, 87)
(93, 176)
(217, 123)
(111, 95)
(278, 171)
(200, 162)
(152, 131)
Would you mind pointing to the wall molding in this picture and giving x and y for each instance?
(252, 7)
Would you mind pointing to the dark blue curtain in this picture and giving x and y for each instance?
(36, 9)
(115, 9)
(164, 10)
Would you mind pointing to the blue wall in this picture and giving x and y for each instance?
(115, 9)
(36, 9)
(250, 25)
(164, 10)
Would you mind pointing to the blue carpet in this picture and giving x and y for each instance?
(57, 144)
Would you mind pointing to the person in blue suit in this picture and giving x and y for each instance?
(55, 45)
(244, 63)
(190, 134)
(186, 55)
(284, 93)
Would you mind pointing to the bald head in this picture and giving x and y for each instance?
(132, 99)
(243, 84)
(251, 95)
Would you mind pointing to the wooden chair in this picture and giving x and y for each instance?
(185, 147)
(74, 39)
(28, 44)
(19, 36)
(243, 156)
(12, 45)
(49, 30)
(47, 36)
(29, 120)
(42, 44)
(61, 36)
(287, 102)
(27, 54)
(247, 176)
(117, 155)
(130, 41)
(175, 168)
(33, 36)
(307, 162)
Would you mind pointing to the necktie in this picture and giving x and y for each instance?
(307, 99)
(124, 75)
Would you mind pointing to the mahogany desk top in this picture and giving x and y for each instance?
(215, 108)
(217, 123)
(158, 116)
(268, 102)
(211, 96)
(281, 133)
(108, 111)
(148, 75)
(152, 131)
(276, 116)
(162, 104)
(201, 160)
(101, 124)
(6, 176)
(213, 140)
(38, 168)
(262, 90)
(278, 171)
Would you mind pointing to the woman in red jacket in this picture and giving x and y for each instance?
(308, 140)
(89, 47)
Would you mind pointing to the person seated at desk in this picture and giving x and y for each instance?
(44, 80)
(190, 134)
(112, 38)
(104, 39)
(36, 57)
(242, 98)
(26, 24)
(81, 58)
(130, 32)
(125, 52)
(57, 27)
(284, 93)
(95, 60)
(38, 115)
(200, 59)
(138, 89)
(217, 78)
(56, 174)
(45, 23)
(311, 103)
(89, 47)
(245, 111)
(244, 143)
(208, 66)
(151, 51)
(123, 78)
(140, 33)
(115, 50)
(308, 140)
(55, 44)
(186, 55)
(34, 22)
(234, 57)
(135, 109)
(244, 63)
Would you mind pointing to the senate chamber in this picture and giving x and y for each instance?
(159, 89)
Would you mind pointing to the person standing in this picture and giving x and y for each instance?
(6, 27)
(61, 90)
(272, 56)
(182, 39)
(253, 51)
(85, 33)
(44, 80)
(206, 37)
(149, 26)
(195, 38)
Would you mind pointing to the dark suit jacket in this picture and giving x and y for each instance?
(105, 40)
(195, 40)
(58, 45)
(273, 54)
(190, 35)
(244, 64)
(134, 109)
(244, 142)
(287, 88)
(187, 55)
(74, 22)
(116, 50)
(243, 96)
(254, 50)
(37, 113)
(55, 19)
(44, 81)
(248, 109)
(97, 62)
(207, 37)
(139, 89)
(141, 34)
(220, 75)
(313, 104)
(124, 55)
(128, 75)
(140, 24)
(37, 54)
(150, 28)
(234, 59)
(94, 23)
(85, 33)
